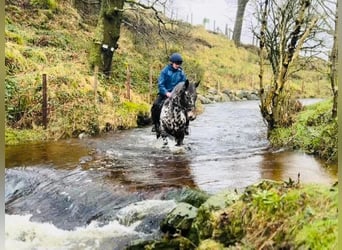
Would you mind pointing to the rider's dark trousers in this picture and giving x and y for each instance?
(156, 109)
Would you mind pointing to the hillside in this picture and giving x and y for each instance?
(55, 40)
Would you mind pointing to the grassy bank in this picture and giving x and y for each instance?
(267, 215)
(313, 132)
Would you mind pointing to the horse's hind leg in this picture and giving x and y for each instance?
(157, 129)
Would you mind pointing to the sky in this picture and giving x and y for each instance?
(219, 12)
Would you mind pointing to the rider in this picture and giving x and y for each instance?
(169, 77)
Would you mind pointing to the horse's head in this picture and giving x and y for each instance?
(189, 98)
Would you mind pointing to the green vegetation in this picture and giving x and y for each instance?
(50, 37)
(267, 215)
(314, 131)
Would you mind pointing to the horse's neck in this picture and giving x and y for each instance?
(176, 101)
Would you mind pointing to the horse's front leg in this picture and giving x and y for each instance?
(163, 135)
(179, 139)
(179, 142)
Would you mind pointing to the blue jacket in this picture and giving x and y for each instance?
(169, 78)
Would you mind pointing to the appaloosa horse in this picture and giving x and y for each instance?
(177, 111)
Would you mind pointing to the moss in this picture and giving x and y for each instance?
(210, 245)
(202, 228)
(179, 220)
(47, 4)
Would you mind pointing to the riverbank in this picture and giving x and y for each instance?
(267, 215)
(314, 132)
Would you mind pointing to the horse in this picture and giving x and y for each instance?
(177, 111)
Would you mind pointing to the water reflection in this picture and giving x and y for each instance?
(285, 165)
(63, 153)
(155, 174)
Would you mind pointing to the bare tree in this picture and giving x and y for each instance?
(239, 21)
(333, 67)
(286, 28)
(332, 18)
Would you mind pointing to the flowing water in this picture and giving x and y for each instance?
(103, 193)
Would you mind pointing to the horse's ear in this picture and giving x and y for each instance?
(197, 83)
(186, 84)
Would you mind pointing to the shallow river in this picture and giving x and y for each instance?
(103, 193)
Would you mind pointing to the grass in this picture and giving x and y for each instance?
(273, 215)
(314, 132)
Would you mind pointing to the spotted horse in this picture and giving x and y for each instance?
(177, 111)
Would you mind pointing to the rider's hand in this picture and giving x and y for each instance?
(168, 94)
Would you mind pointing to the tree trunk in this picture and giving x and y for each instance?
(111, 16)
(333, 67)
(238, 21)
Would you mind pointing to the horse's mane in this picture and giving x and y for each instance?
(177, 89)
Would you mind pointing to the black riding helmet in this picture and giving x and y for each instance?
(176, 58)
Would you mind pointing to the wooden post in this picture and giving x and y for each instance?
(150, 86)
(128, 83)
(96, 70)
(218, 86)
(44, 105)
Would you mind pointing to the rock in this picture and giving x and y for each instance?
(191, 196)
(179, 220)
(202, 227)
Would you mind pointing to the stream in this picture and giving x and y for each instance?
(106, 192)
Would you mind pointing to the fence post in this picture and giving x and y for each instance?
(150, 86)
(96, 70)
(128, 83)
(44, 106)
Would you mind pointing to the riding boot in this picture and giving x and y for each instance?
(155, 113)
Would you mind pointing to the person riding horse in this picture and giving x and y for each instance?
(170, 76)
